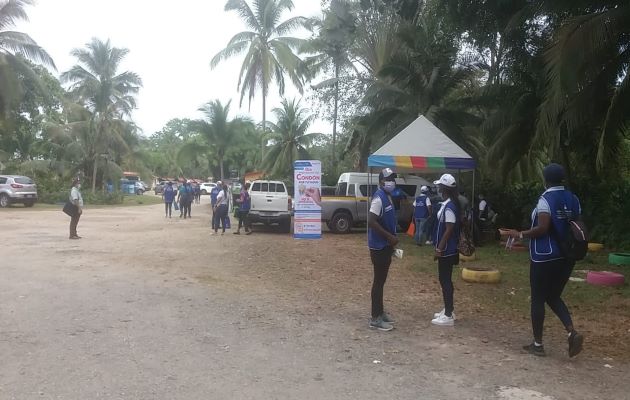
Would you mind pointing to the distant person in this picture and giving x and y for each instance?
(422, 211)
(465, 204)
(184, 196)
(244, 205)
(381, 241)
(550, 268)
(446, 243)
(197, 191)
(221, 210)
(77, 200)
(168, 195)
(213, 198)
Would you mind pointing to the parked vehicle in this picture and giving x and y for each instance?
(271, 204)
(349, 206)
(17, 189)
(141, 187)
(207, 187)
(159, 188)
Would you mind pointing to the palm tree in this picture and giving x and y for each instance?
(588, 85)
(108, 95)
(332, 47)
(289, 138)
(217, 134)
(13, 43)
(270, 53)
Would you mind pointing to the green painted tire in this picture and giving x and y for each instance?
(619, 258)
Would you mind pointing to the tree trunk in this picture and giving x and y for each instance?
(94, 174)
(334, 138)
(264, 127)
(221, 167)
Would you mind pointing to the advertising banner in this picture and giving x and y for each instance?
(307, 199)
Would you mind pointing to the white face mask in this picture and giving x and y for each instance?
(389, 186)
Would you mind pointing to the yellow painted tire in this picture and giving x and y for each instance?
(481, 275)
(594, 247)
(462, 257)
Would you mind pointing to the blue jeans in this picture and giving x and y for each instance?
(420, 230)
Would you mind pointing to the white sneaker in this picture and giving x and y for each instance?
(443, 320)
(437, 314)
(428, 242)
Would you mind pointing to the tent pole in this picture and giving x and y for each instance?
(472, 206)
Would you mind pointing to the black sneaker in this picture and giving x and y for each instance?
(535, 350)
(575, 343)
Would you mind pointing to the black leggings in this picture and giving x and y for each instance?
(219, 216)
(243, 220)
(445, 273)
(547, 281)
(168, 208)
(381, 259)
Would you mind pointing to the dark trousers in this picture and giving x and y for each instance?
(243, 220)
(74, 221)
(381, 260)
(445, 273)
(168, 208)
(547, 281)
(219, 216)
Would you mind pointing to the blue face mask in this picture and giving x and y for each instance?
(389, 186)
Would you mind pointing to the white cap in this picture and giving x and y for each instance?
(219, 183)
(424, 189)
(446, 180)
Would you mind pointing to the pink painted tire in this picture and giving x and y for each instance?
(604, 278)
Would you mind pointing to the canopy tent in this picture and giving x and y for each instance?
(421, 147)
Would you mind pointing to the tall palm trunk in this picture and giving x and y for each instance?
(221, 168)
(264, 126)
(335, 113)
(94, 174)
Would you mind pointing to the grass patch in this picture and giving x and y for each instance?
(512, 294)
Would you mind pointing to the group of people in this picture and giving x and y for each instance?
(186, 194)
(550, 266)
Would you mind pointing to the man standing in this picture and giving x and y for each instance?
(213, 198)
(381, 241)
(422, 211)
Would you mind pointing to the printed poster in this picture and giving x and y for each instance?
(308, 201)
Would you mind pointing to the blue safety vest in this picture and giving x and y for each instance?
(421, 210)
(213, 195)
(563, 205)
(387, 219)
(452, 243)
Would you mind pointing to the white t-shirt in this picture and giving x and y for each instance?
(482, 205)
(221, 198)
(450, 215)
(376, 206)
(75, 194)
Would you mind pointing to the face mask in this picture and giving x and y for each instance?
(389, 186)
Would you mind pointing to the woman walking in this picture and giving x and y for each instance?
(243, 211)
(446, 241)
(77, 200)
(221, 210)
(169, 196)
(550, 269)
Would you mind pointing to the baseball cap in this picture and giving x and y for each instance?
(219, 183)
(387, 174)
(446, 180)
(554, 173)
(424, 189)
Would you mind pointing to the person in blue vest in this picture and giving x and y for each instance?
(244, 204)
(213, 198)
(550, 269)
(168, 195)
(422, 211)
(446, 240)
(381, 240)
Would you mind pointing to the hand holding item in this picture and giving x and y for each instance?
(314, 194)
(509, 233)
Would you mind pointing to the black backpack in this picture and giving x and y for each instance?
(574, 245)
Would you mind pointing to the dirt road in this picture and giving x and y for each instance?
(149, 308)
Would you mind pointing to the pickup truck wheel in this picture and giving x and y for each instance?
(204, 192)
(285, 226)
(341, 223)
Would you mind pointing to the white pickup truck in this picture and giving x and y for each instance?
(271, 204)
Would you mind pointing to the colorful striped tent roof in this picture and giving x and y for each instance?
(421, 147)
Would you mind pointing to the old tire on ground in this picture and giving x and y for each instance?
(5, 201)
(619, 258)
(605, 278)
(341, 222)
(481, 275)
(472, 257)
(594, 247)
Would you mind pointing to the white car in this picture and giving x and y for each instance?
(271, 204)
(207, 187)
